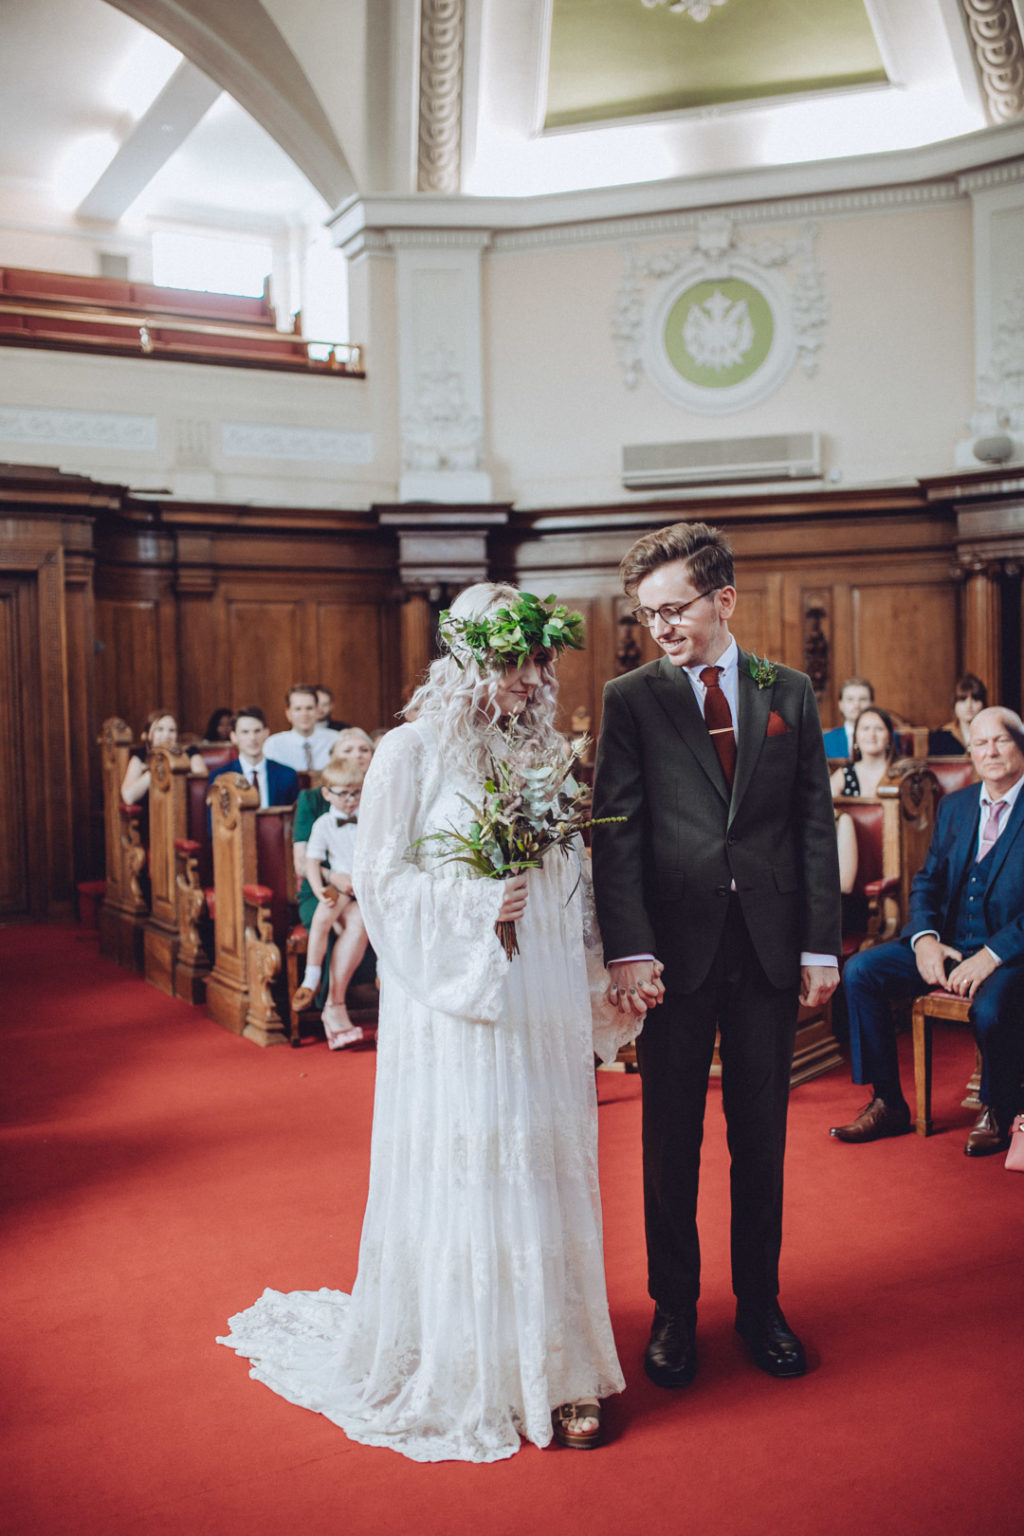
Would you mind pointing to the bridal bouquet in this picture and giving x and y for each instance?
(529, 807)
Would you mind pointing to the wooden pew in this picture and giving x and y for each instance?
(193, 880)
(893, 833)
(169, 771)
(250, 915)
(125, 908)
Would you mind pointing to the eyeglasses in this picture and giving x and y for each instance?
(669, 613)
(342, 794)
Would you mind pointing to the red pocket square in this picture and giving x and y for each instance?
(776, 725)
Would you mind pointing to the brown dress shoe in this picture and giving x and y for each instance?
(988, 1135)
(875, 1120)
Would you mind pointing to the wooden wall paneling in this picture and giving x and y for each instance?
(203, 661)
(128, 680)
(265, 653)
(22, 891)
(86, 789)
(351, 657)
(905, 641)
(757, 622)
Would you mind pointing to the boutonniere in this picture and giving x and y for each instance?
(763, 671)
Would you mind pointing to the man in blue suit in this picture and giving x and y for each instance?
(277, 783)
(965, 932)
(856, 694)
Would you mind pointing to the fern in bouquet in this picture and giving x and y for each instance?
(530, 805)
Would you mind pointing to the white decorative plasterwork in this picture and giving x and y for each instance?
(697, 10)
(1001, 387)
(718, 331)
(999, 55)
(264, 440)
(441, 431)
(439, 157)
(78, 429)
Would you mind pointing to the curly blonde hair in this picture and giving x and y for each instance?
(460, 702)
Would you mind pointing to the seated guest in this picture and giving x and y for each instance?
(353, 745)
(325, 710)
(970, 697)
(160, 730)
(329, 854)
(218, 727)
(855, 695)
(874, 752)
(965, 932)
(277, 784)
(302, 747)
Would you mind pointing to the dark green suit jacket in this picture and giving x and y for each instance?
(662, 878)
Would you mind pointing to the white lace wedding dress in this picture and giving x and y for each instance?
(479, 1303)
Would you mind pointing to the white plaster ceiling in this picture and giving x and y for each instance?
(86, 91)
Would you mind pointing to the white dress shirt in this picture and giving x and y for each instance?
(289, 747)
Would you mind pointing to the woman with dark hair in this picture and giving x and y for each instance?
(218, 727)
(479, 1316)
(970, 697)
(874, 751)
(160, 730)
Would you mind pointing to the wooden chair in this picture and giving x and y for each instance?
(253, 897)
(928, 1008)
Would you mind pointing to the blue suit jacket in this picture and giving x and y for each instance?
(282, 781)
(952, 849)
(836, 744)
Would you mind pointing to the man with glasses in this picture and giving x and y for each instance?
(718, 900)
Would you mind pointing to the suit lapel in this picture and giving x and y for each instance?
(671, 687)
(965, 844)
(754, 706)
(1008, 837)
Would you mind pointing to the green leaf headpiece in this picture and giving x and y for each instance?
(508, 636)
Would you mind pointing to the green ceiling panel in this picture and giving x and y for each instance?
(617, 58)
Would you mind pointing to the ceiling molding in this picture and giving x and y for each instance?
(995, 36)
(239, 46)
(439, 156)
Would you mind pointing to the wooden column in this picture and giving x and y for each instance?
(417, 635)
(168, 774)
(982, 618)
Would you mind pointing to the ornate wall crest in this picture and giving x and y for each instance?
(441, 432)
(715, 325)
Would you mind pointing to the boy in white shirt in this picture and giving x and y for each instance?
(332, 841)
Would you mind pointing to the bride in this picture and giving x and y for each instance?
(479, 1315)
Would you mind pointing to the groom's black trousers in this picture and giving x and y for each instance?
(758, 1024)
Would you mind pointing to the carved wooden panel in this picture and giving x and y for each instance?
(905, 641)
(18, 816)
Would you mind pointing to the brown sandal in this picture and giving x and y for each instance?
(577, 1439)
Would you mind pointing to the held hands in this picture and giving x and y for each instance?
(635, 985)
(964, 979)
(817, 983)
(513, 903)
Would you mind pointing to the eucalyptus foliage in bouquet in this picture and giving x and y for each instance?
(529, 806)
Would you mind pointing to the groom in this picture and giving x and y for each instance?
(718, 900)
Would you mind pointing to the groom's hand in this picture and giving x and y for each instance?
(636, 985)
(817, 983)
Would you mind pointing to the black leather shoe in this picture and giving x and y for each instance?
(670, 1359)
(773, 1345)
(990, 1133)
(875, 1120)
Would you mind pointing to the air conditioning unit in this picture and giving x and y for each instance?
(791, 456)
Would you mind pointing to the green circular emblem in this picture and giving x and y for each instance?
(719, 333)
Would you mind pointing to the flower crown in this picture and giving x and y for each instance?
(508, 636)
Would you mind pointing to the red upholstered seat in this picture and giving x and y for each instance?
(953, 772)
(274, 863)
(197, 826)
(216, 754)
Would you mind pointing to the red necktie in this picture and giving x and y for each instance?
(718, 719)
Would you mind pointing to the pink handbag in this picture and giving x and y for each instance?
(1015, 1156)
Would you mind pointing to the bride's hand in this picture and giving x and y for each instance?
(514, 904)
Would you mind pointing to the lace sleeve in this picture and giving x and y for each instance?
(612, 1029)
(432, 928)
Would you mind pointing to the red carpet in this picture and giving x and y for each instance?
(161, 1172)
